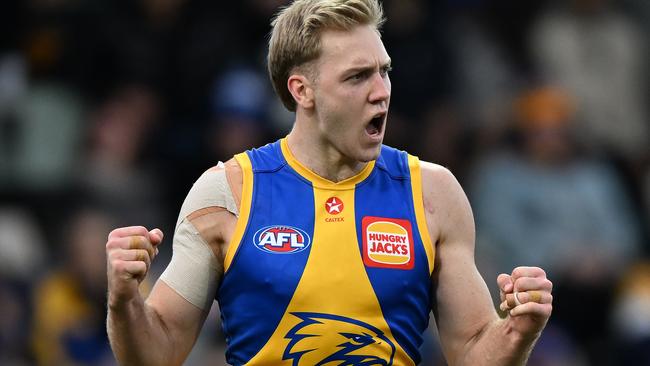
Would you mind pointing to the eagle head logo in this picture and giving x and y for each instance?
(326, 339)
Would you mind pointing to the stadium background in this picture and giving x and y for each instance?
(110, 109)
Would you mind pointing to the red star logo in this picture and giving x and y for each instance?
(334, 205)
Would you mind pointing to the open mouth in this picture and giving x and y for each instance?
(376, 124)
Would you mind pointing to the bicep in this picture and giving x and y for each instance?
(461, 301)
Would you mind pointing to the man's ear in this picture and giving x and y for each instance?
(301, 89)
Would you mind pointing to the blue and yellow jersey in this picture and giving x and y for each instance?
(323, 273)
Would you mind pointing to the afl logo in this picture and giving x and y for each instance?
(279, 239)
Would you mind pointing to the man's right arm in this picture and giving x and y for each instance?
(158, 331)
(163, 329)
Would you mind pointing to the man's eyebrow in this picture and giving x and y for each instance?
(363, 66)
(358, 69)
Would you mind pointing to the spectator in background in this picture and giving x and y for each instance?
(486, 77)
(117, 174)
(69, 302)
(240, 102)
(22, 255)
(542, 203)
(41, 107)
(598, 55)
(40, 123)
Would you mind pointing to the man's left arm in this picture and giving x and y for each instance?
(471, 333)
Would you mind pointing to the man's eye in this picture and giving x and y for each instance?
(357, 77)
(386, 70)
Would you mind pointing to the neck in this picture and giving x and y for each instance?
(317, 154)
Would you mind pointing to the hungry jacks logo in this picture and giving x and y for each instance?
(387, 243)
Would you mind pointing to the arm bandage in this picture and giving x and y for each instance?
(193, 270)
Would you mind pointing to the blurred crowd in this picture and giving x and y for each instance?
(110, 109)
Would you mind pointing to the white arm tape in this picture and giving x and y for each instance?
(193, 269)
(210, 190)
(192, 272)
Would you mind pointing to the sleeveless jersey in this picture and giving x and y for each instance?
(323, 273)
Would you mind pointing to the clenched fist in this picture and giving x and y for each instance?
(129, 252)
(526, 296)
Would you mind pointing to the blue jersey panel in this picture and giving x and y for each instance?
(404, 294)
(271, 257)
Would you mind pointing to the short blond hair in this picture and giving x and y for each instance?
(295, 38)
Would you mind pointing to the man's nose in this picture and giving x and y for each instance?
(380, 91)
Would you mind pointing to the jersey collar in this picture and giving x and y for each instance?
(316, 180)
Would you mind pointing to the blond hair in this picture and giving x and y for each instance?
(295, 38)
